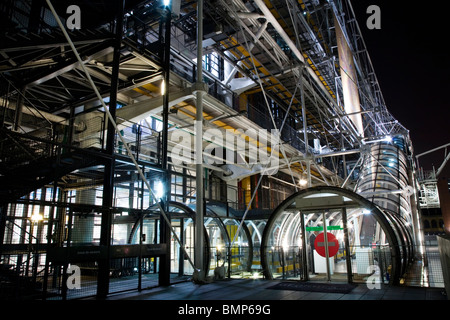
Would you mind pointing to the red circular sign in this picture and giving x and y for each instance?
(333, 245)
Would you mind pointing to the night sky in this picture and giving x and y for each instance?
(412, 64)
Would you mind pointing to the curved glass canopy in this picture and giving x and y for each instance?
(225, 243)
(333, 234)
(362, 242)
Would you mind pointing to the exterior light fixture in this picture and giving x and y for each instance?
(36, 217)
(163, 87)
(159, 190)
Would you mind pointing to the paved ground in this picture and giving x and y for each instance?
(258, 290)
(248, 299)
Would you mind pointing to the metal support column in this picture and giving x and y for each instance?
(141, 226)
(305, 133)
(199, 243)
(19, 110)
(181, 253)
(304, 268)
(164, 261)
(347, 246)
(108, 182)
(327, 252)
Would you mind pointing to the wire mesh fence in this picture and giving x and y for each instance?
(42, 257)
(30, 275)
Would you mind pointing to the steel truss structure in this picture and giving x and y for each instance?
(273, 83)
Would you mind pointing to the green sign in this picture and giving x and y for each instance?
(321, 228)
(335, 228)
(314, 229)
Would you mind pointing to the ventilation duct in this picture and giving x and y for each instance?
(349, 80)
(384, 178)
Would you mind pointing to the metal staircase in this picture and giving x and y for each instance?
(28, 163)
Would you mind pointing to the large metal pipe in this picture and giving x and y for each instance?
(385, 180)
(305, 131)
(199, 217)
(349, 78)
(164, 261)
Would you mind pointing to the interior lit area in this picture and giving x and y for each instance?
(359, 239)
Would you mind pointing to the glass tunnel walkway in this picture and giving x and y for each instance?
(361, 240)
(333, 234)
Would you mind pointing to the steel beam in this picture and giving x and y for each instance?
(199, 216)
(71, 65)
(164, 261)
(110, 165)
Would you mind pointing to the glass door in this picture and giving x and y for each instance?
(326, 252)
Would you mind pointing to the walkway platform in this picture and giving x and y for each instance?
(249, 289)
(253, 298)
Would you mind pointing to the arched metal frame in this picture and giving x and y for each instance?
(258, 228)
(210, 216)
(404, 232)
(397, 236)
(183, 211)
(244, 233)
(180, 210)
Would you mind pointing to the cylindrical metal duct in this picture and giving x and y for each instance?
(349, 80)
(384, 178)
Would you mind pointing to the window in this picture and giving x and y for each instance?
(213, 64)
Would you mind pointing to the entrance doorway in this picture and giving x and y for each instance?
(325, 256)
(333, 235)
